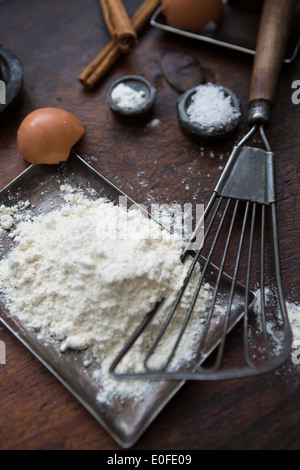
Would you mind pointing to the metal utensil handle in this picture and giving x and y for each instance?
(272, 42)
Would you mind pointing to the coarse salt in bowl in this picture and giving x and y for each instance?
(209, 111)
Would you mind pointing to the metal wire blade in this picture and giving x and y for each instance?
(235, 239)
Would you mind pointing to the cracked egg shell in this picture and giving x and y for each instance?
(192, 15)
(47, 135)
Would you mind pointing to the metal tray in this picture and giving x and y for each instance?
(125, 420)
(234, 19)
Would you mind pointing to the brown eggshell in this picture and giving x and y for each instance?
(192, 15)
(48, 134)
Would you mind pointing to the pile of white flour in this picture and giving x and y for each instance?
(87, 274)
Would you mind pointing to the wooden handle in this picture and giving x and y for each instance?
(272, 42)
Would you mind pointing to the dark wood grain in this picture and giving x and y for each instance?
(55, 41)
(273, 36)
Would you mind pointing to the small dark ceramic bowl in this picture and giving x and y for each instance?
(207, 132)
(11, 74)
(138, 83)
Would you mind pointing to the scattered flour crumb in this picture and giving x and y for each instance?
(154, 123)
(6, 222)
(67, 188)
(9, 215)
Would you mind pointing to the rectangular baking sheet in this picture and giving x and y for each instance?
(234, 20)
(125, 420)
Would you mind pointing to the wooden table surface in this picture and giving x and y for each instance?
(55, 41)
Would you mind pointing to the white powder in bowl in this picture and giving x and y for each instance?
(293, 311)
(211, 107)
(126, 97)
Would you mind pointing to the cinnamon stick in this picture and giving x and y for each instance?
(119, 24)
(98, 68)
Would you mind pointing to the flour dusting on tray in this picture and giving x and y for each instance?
(87, 273)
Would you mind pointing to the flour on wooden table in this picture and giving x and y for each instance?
(293, 312)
